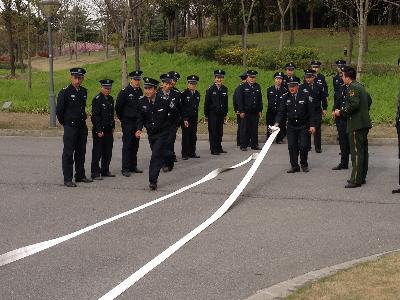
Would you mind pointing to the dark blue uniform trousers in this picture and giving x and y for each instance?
(102, 150)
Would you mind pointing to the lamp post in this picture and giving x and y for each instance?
(49, 8)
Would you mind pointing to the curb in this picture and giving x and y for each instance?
(57, 132)
(286, 288)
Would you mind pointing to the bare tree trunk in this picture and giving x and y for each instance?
(351, 37)
(20, 56)
(29, 81)
(245, 28)
(281, 34)
(297, 15)
(390, 14)
(106, 38)
(124, 62)
(136, 38)
(176, 32)
(291, 24)
(219, 27)
(312, 17)
(366, 35)
(9, 27)
(75, 35)
(361, 42)
(188, 30)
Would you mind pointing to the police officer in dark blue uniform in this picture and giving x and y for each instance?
(70, 110)
(154, 112)
(189, 106)
(341, 122)
(275, 94)
(250, 107)
(175, 76)
(319, 99)
(243, 80)
(103, 130)
(298, 108)
(126, 109)
(215, 111)
(319, 78)
(289, 76)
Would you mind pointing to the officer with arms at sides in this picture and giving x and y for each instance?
(341, 122)
(298, 108)
(70, 110)
(126, 109)
(190, 100)
(215, 111)
(275, 95)
(103, 130)
(243, 80)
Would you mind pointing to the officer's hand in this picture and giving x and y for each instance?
(242, 115)
(186, 123)
(312, 129)
(324, 113)
(337, 113)
(138, 133)
(333, 115)
(100, 134)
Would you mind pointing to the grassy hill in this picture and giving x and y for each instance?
(383, 88)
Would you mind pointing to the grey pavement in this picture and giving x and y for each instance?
(282, 226)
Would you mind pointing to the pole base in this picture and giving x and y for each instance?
(396, 191)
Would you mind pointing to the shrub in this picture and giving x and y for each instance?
(166, 46)
(301, 56)
(206, 48)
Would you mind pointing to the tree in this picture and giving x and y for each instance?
(246, 21)
(7, 15)
(283, 6)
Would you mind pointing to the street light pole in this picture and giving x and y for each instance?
(49, 8)
(52, 101)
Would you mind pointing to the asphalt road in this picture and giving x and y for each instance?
(282, 226)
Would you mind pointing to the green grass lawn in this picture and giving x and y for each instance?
(383, 89)
(384, 43)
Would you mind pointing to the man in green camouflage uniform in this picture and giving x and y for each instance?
(356, 112)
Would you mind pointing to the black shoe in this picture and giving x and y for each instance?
(362, 182)
(126, 173)
(222, 151)
(293, 170)
(243, 149)
(153, 186)
(96, 177)
(340, 167)
(256, 148)
(351, 185)
(136, 170)
(185, 158)
(69, 184)
(166, 169)
(318, 150)
(279, 142)
(214, 153)
(305, 169)
(108, 174)
(194, 156)
(309, 149)
(84, 179)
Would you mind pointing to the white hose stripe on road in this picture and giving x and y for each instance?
(136, 276)
(29, 250)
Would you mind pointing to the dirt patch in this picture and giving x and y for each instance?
(64, 62)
